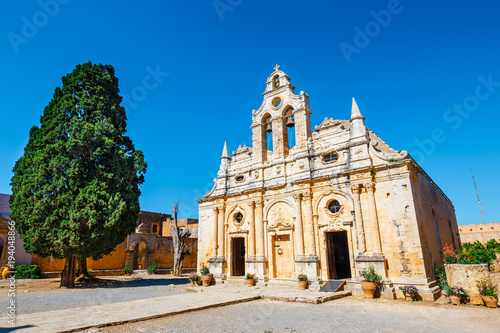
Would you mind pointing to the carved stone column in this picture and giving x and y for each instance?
(359, 219)
(214, 231)
(259, 229)
(377, 248)
(257, 264)
(220, 233)
(251, 229)
(298, 234)
(309, 226)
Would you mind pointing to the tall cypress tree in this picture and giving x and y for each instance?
(75, 190)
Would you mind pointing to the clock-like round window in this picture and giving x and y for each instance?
(334, 206)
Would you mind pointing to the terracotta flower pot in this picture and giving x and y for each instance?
(409, 296)
(302, 285)
(250, 282)
(6, 273)
(490, 301)
(205, 279)
(369, 288)
(456, 300)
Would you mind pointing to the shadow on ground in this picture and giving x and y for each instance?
(109, 283)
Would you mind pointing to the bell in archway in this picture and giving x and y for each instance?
(269, 128)
(290, 122)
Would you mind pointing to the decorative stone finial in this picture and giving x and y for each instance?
(277, 67)
(225, 153)
(355, 114)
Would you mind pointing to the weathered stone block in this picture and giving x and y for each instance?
(466, 276)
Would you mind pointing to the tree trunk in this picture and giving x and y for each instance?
(178, 237)
(68, 274)
(82, 271)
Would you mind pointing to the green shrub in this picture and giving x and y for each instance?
(127, 268)
(153, 267)
(370, 275)
(28, 272)
(479, 252)
(493, 245)
(440, 276)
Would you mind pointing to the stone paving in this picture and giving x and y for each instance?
(98, 315)
(182, 298)
(277, 293)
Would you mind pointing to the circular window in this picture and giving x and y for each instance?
(276, 102)
(333, 157)
(239, 217)
(240, 178)
(334, 206)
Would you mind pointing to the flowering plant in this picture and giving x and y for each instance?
(370, 275)
(302, 277)
(249, 276)
(486, 288)
(457, 291)
(204, 269)
(408, 289)
(193, 277)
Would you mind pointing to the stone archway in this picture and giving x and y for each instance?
(140, 246)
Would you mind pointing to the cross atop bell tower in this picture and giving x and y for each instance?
(282, 125)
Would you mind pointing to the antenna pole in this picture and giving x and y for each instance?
(477, 193)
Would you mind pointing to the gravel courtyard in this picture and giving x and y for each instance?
(343, 315)
(40, 296)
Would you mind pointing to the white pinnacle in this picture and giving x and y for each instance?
(355, 113)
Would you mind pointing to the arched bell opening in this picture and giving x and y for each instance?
(290, 127)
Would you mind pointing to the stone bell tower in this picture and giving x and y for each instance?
(280, 109)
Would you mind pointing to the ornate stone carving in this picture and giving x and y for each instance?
(402, 154)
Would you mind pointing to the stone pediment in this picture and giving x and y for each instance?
(337, 125)
(242, 149)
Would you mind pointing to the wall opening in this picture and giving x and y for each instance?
(267, 143)
(337, 253)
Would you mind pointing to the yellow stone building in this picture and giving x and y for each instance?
(326, 203)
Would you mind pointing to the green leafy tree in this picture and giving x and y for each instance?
(75, 190)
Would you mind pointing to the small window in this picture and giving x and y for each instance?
(155, 228)
(239, 217)
(334, 206)
(276, 102)
(240, 178)
(333, 157)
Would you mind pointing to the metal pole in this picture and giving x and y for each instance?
(477, 193)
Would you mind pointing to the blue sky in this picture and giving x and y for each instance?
(425, 75)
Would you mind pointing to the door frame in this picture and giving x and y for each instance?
(348, 247)
(233, 258)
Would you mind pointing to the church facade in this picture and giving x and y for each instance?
(327, 203)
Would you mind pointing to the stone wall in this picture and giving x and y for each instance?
(163, 255)
(466, 276)
(479, 232)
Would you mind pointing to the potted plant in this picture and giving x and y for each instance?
(489, 292)
(250, 279)
(302, 282)
(128, 270)
(7, 272)
(409, 291)
(152, 268)
(140, 262)
(206, 277)
(369, 284)
(195, 279)
(456, 294)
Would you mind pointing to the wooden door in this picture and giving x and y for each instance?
(330, 254)
(337, 247)
(238, 256)
(283, 262)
